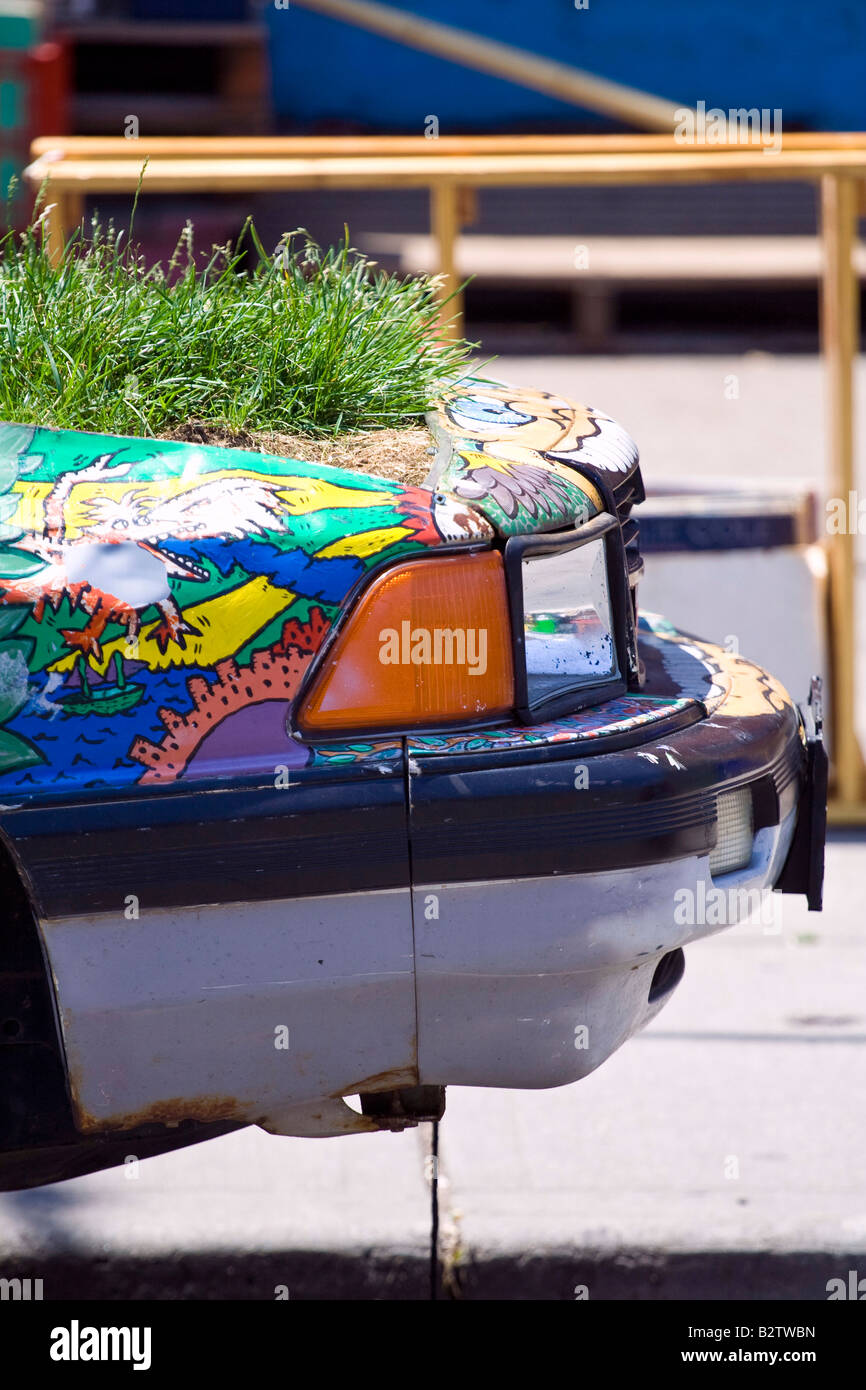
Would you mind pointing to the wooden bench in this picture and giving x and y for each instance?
(593, 272)
(448, 170)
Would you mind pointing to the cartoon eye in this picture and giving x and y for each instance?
(120, 524)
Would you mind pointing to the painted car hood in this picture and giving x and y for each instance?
(146, 583)
(161, 602)
(527, 459)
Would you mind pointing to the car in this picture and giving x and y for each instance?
(315, 785)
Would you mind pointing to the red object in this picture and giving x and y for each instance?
(44, 74)
(49, 70)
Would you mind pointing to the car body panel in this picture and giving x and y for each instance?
(546, 885)
(534, 982)
(235, 1010)
(161, 603)
(338, 829)
(241, 925)
(422, 969)
(528, 460)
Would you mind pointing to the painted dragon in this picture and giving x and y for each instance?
(110, 586)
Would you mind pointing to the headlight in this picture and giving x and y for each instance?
(569, 613)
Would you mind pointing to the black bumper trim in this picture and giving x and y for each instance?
(619, 810)
(305, 840)
(803, 871)
(649, 801)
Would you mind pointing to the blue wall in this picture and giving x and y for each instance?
(809, 59)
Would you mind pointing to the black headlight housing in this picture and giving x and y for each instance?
(614, 529)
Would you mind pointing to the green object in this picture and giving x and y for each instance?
(111, 697)
(554, 500)
(18, 564)
(542, 623)
(307, 341)
(12, 105)
(19, 24)
(9, 170)
(16, 752)
(104, 699)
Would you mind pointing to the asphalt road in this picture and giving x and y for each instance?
(719, 1153)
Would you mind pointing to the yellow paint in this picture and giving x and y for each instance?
(30, 511)
(226, 623)
(751, 690)
(367, 543)
(315, 494)
(298, 495)
(556, 423)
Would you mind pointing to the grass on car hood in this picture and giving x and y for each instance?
(304, 342)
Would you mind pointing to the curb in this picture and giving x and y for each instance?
(636, 1275)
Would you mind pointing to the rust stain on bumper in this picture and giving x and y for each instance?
(169, 1113)
(381, 1081)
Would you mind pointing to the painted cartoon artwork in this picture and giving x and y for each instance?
(516, 455)
(160, 602)
(728, 685)
(590, 724)
(615, 716)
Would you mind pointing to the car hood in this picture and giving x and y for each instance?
(157, 597)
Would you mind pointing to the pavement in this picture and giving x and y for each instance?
(752, 415)
(720, 1153)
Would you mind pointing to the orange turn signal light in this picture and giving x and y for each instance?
(429, 642)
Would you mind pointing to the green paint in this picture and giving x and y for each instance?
(11, 105)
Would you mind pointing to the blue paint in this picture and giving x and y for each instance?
(325, 579)
(92, 752)
(808, 60)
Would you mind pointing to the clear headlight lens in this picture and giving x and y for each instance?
(567, 619)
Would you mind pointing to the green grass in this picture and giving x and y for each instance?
(306, 341)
